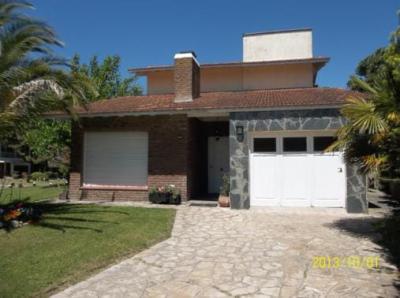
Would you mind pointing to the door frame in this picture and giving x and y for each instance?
(279, 135)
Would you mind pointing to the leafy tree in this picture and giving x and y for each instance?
(371, 137)
(32, 79)
(106, 77)
(368, 69)
(47, 141)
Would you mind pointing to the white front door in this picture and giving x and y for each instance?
(294, 171)
(218, 162)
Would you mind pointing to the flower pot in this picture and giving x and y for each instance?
(224, 201)
(158, 198)
(175, 200)
(164, 198)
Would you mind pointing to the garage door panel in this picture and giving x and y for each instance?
(294, 180)
(328, 178)
(297, 179)
(264, 190)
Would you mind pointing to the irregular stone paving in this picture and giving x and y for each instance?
(216, 252)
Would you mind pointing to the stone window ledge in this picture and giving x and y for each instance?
(113, 187)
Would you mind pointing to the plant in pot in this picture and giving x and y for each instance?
(223, 199)
(168, 194)
(174, 195)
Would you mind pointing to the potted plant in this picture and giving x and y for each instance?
(223, 199)
(156, 195)
(174, 195)
(168, 194)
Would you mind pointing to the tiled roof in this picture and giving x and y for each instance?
(227, 101)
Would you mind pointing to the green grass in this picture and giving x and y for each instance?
(32, 194)
(74, 241)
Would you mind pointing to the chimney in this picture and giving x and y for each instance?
(186, 77)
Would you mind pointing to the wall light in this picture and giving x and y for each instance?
(239, 133)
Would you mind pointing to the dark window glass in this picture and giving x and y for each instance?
(321, 143)
(265, 145)
(294, 144)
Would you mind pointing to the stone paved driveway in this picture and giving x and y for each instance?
(258, 253)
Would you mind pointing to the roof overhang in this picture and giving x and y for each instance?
(194, 112)
(317, 62)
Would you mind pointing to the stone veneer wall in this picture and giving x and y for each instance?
(316, 119)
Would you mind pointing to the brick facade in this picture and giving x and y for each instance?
(168, 154)
(186, 79)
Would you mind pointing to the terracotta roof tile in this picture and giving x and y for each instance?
(238, 100)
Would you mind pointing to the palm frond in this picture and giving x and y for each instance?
(363, 116)
(362, 85)
(7, 9)
(394, 117)
(373, 163)
(30, 96)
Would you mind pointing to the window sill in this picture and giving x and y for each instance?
(113, 187)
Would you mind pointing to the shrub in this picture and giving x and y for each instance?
(225, 187)
(40, 176)
(63, 171)
(168, 194)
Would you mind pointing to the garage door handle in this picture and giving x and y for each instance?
(340, 170)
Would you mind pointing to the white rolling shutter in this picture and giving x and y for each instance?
(115, 158)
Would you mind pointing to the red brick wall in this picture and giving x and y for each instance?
(186, 79)
(114, 195)
(167, 162)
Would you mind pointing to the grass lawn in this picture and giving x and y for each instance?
(71, 242)
(31, 193)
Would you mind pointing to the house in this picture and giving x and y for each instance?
(11, 163)
(262, 121)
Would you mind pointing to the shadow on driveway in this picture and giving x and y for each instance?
(384, 231)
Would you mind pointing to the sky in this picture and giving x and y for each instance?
(150, 32)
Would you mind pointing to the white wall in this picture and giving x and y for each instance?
(277, 46)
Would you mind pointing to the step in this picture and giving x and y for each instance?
(201, 203)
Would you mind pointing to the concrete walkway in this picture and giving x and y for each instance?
(216, 252)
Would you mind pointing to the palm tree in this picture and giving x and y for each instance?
(32, 79)
(371, 136)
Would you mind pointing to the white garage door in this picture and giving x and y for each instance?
(294, 171)
(115, 158)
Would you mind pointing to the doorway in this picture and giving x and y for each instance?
(218, 162)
